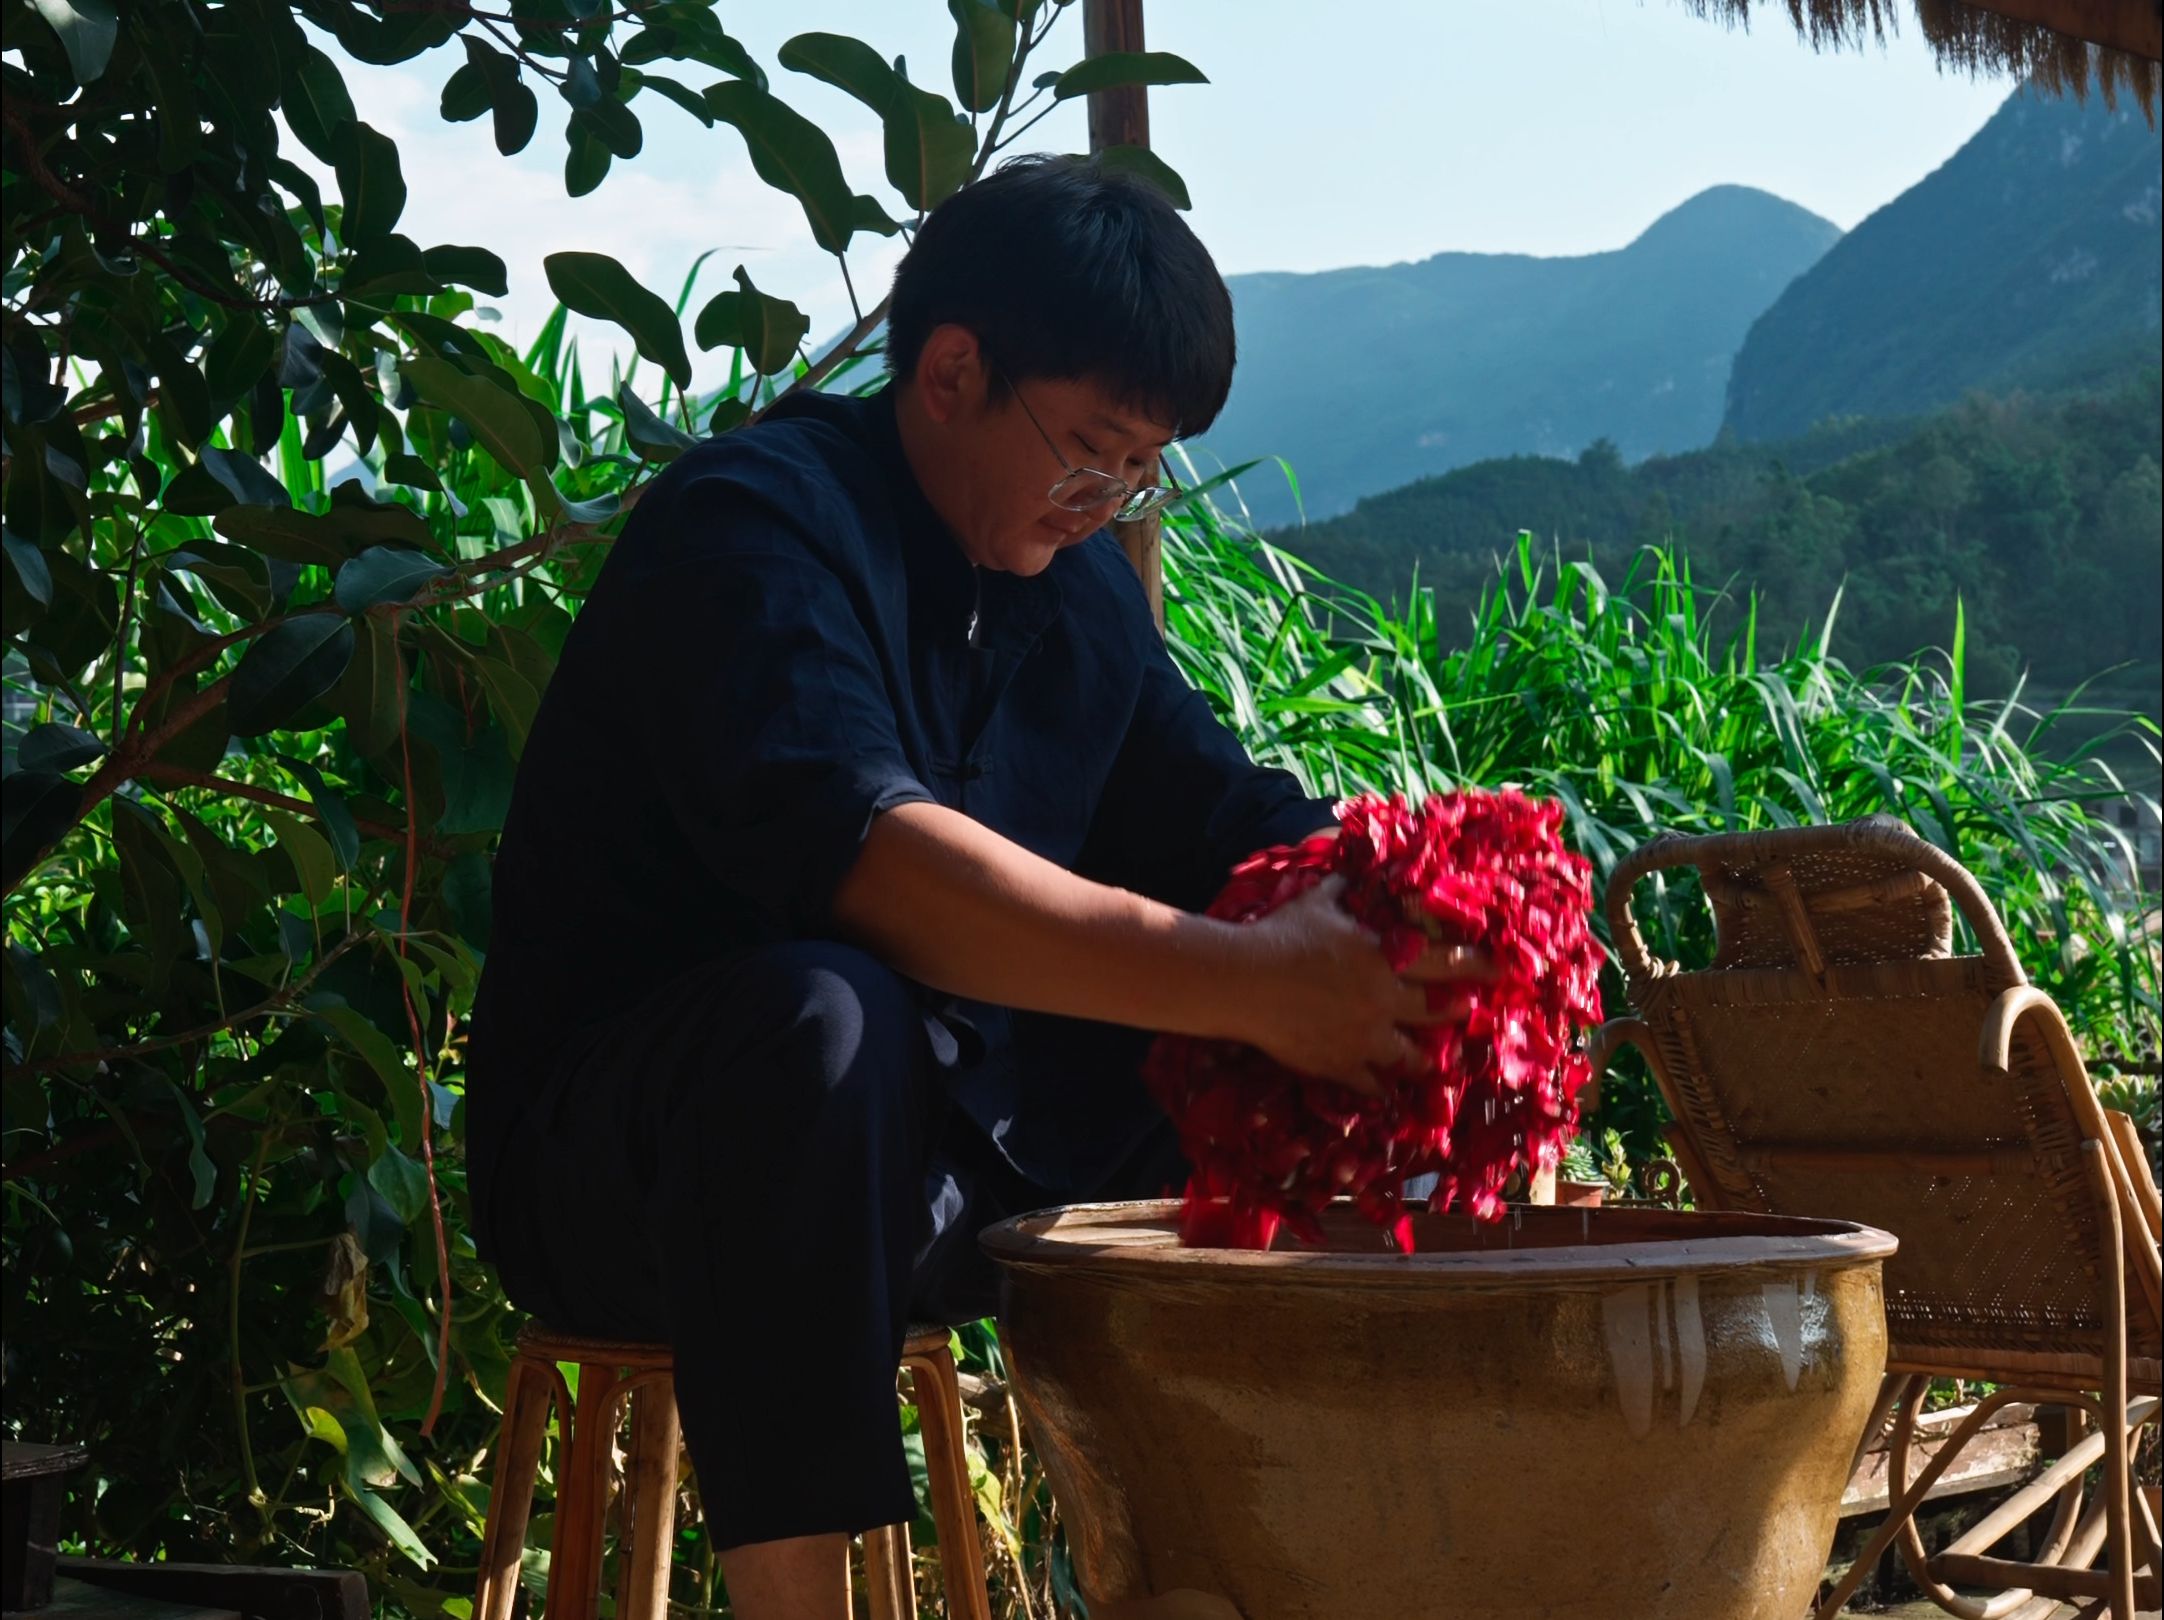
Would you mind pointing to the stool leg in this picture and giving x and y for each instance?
(510, 1498)
(886, 1573)
(582, 1496)
(650, 1500)
(939, 1419)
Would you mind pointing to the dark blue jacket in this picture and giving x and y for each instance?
(778, 649)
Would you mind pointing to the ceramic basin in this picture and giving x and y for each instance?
(1599, 1413)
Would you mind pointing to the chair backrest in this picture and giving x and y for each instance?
(1827, 1063)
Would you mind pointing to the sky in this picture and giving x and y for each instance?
(1328, 136)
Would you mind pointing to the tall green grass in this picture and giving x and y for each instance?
(1648, 703)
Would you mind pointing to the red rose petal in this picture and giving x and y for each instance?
(1490, 1095)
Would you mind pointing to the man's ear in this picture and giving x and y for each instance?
(951, 375)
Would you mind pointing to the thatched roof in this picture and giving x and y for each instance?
(2064, 45)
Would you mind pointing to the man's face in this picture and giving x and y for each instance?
(986, 466)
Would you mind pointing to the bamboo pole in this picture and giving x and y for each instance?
(1121, 117)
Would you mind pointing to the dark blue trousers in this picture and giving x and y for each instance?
(762, 1167)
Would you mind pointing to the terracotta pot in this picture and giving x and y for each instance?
(1601, 1413)
(1579, 1194)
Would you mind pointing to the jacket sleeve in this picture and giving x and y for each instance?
(771, 712)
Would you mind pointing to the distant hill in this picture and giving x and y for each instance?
(1368, 378)
(2044, 515)
(2029, 259)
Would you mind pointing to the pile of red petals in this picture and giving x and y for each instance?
(1490, 1094)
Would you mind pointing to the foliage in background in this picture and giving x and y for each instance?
(2041, 515)
(1625, 702)
(271, 701)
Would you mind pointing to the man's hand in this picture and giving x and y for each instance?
(953, 905)
(1321, 998)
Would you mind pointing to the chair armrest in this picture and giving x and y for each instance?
(2136, 1199)
(1600, 1051)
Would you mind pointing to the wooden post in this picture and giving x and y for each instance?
(1121, 117)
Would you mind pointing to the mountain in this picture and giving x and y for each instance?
(2042, 514)
(1367, 378)
(2029, 259)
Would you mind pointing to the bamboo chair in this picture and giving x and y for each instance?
(1838, 1059)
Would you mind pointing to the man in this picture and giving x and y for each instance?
(855, 854)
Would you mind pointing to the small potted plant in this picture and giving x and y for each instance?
(1591, 1170)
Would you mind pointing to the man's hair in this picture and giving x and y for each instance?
(1064, 268)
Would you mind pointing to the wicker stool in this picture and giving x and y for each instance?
(615, 1374)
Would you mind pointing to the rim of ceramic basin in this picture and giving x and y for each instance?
(1531, 1246)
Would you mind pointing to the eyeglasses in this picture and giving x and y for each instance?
(1083, 489)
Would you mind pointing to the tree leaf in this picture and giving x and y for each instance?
(1115, 69)
(581, 85)
(386, 264)
(984, 38)
(514, 104)
(287, 668)
(57, 746)
(1140, 160)
(468, 885)
(652, 437)
(315, 868)
(363, 414)
(511, 698)
(766, 328)
(370, 182)
(394, 1527)
(596, 509)
(848, 64)
(27, 564)
(151, 903)
(615, 125)
(246, 479)
(928, 151)
(367, 694)
(403, 1183)
(326, 539)
(200, 1169)
(183, 397)
(331, 806)
(87, 30)
(238, 577)
(304, 189)
(595, 284)
(700, 38)
(518, 111)
(682, 94)
(384, 574)
(867, 215)
(792, 154)
(467, 94)
(300, 357)
(242, 351)
(37, 807)
(316, 103)
(586, 156)
(39, 989)
(474, 776)
(496, 416)
(470, 267)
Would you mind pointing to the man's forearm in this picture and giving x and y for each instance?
(954, 905)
